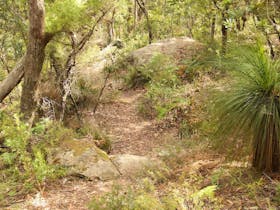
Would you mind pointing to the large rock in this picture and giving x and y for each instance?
(178, 48)
(132, 164)
(82, 157)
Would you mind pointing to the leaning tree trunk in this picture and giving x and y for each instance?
(35, 56)
(12, 80)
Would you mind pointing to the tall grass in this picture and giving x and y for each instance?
(250, 105)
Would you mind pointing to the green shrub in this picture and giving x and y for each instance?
(178, 197)
(84, 93)
(160, 99)
(2, 74)
(23, 161)
(250, 106)
(128, 199)
(160, 69)
(277, 193)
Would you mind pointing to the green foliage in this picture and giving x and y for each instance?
(2, 75)
(84, 92)
(162, 100)
(66, 15)
(146, 198)
(160, 69)
(250, 106)
(205, 193)
(126, 200)
(23, 163)
(163, 86)
(277, 193)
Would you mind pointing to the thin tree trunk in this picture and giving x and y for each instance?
(224, 38)
(141, 4)
(135, 16)
(224, 31)
(213, 27)
(244, 20)
(238, 24)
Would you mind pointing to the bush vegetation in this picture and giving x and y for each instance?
(250, 106)
(23, 157)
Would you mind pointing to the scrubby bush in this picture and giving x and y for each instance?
(23, 163)
(84, 92)
(129, 199)
(146, 198)
(160, 69)
(164, 90)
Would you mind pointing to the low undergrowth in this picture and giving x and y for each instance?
(148, 198)
(23, 155)
(195, 178)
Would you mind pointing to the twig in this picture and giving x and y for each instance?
(101, 92)
(270, 179)
(104, 86)
(76, 108)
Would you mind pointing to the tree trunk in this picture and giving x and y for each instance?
(244, 20)
(141, 4)
(35, 56)
(135, 15)
(12, 80)
(224, 30)
(213, 27)
(266, 155)
(111, 28)
(238, 24)
(224, 38)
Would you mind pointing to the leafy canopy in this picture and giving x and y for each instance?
(69, 14)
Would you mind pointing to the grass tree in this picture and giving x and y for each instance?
(251, 106)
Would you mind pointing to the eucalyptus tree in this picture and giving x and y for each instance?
(47, 19)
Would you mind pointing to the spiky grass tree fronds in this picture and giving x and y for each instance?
(250, 106)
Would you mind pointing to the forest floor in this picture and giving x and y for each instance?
(132, 134)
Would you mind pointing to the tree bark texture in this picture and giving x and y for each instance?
(35, 56)
(12, 80)
(142, 6)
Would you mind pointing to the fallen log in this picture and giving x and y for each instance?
(12, 80)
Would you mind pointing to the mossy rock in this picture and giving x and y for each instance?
(84, 158)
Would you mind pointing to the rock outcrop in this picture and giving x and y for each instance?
(83, 158)
(178, 48)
